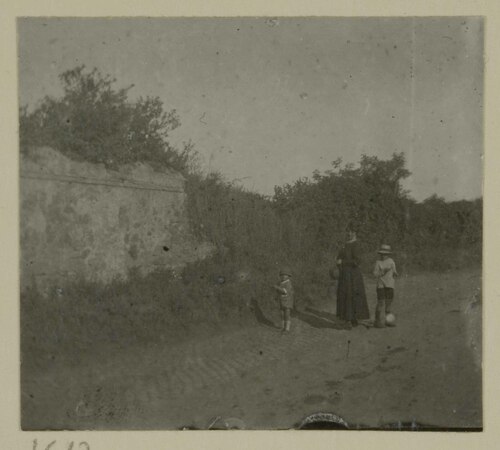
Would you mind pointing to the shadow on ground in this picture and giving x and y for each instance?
(323, 314)
(260, 316)
(313, 317)
(320, 319)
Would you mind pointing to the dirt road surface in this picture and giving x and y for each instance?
(426, 370)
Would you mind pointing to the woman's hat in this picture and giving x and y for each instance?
(385, 249)
(286, 271)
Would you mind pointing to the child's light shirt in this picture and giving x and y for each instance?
(384, 271)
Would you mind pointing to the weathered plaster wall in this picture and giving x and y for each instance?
(79, 220)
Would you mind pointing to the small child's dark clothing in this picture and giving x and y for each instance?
(385, 293)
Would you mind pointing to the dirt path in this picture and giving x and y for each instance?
(426, 370)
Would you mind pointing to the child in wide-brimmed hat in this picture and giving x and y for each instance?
(385, 271)
(285, 297)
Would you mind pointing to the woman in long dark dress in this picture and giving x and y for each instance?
(351, 295)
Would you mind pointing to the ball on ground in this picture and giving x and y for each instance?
(390, 320)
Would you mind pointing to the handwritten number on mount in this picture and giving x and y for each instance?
(82, 445)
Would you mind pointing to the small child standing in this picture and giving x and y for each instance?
(385, 271)
(285, 298)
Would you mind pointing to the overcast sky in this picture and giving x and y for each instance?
(267, 101)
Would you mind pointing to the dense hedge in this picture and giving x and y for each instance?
(304, 223)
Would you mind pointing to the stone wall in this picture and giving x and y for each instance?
(81, 221)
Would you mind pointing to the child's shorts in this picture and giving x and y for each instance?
(286, 302)
(385, 293)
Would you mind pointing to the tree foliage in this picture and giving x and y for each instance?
(371, 196)
(96, 122)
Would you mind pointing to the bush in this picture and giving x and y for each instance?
(97, 123)
(424, 235)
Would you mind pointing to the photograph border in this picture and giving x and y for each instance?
(12, 437)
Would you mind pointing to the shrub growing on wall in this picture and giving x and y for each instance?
(96, 122)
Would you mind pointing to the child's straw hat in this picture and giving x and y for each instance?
(385, 249)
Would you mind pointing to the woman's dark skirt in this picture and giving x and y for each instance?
(351, 295)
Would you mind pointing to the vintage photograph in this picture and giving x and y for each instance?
(251, 223)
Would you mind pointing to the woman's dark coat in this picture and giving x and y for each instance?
(351, 295)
